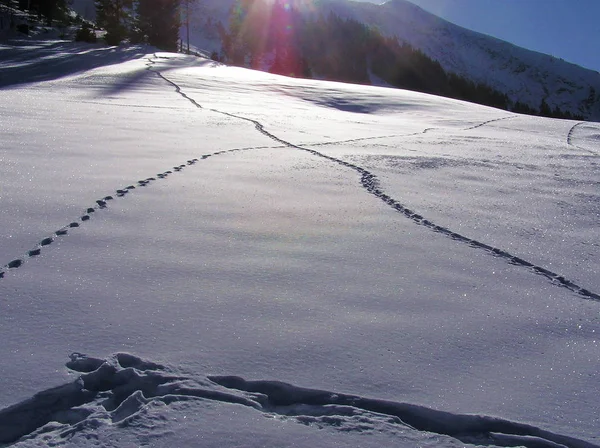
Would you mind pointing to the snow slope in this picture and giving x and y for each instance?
(524, 75)
(248, 259)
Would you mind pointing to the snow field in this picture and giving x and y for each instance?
(242, 254)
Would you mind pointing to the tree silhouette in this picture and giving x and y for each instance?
(158, 22)
(115, 17)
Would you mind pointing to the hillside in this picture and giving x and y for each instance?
(201, 255)
(525, 75)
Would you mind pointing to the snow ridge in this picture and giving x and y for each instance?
(118, 390)
(370, 183)
(466, 428)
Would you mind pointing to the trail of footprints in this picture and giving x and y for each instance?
(570, 140)
(489, 122)
(368, 181)
(102, 204)
(424, 131)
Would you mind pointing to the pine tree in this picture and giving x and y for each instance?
(159, 22)
(591, 100)
(545, 110)
(235, 41)
(50, 10)
(114, 16)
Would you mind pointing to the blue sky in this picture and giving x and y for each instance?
(568, 29)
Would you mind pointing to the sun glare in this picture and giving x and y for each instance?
(267, 28)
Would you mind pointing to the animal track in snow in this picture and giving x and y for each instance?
(412, 134)
(118, 390)
(370, 183)
(102, 204)
(354, 140)
(424, 131)
(368, 180)
(362, 139)
(489, 122)
(570, 139)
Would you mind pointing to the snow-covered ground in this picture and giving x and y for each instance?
(253, 260)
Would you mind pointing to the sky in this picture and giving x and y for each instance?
(568, 29)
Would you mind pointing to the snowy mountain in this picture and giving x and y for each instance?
(199, 255)
(525, 76)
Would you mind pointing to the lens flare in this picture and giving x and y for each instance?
(265, 30)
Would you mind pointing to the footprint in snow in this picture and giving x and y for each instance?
(15, 264)
(46, 241)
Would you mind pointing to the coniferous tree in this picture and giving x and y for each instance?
(236, 40)
(281, 38)
(159, 22)
(49, 10)
(114, 16)
(545, 110)
(591, 100)
(10, 22)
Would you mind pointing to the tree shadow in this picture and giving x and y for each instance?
(348, 100)
(28, 61)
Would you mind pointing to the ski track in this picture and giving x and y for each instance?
(367, 179)
(370, 183)
(118, 391)
(570, 140)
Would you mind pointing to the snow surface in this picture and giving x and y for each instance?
(255, 260)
